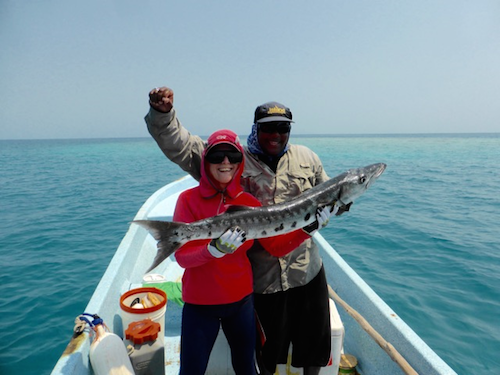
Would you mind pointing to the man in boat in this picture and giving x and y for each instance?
(291, 295)
(217, 284)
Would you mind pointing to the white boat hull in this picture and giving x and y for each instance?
(135, 254)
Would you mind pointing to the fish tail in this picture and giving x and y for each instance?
(166, 233)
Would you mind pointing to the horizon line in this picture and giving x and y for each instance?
(310, 135)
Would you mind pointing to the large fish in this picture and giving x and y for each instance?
(266, 221)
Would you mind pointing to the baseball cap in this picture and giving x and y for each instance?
(223, 136)
(272, 111)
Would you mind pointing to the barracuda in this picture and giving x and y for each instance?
(266, 221)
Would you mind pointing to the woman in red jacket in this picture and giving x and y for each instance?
(217, 284)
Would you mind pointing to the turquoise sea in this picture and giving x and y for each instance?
(425, 237)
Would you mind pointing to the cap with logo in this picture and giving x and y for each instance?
(223, 136)
(272, 111)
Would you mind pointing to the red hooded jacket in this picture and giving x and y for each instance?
(212, 281)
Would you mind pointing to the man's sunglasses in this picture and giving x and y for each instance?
(217, 157)
(275, 127)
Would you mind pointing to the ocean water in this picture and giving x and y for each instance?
(425, 236)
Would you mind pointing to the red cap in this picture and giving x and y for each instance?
(223, 136)
(142, 331)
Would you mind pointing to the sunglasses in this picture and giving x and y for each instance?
(275, 127)
(217, 157)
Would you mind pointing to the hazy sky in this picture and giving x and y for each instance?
(83, 69)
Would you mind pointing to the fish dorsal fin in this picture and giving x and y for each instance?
(231, 209)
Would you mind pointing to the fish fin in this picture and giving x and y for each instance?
(343, 209)
(237, 208)
(165, 233)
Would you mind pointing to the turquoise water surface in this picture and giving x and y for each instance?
(425, 237)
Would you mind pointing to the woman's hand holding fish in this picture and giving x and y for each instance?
(228, 243)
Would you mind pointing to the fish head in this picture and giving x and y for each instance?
(356, 181)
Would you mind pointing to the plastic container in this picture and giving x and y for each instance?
(108, 354)
(155, 313)
(146, 351)
(153, 278)
(337, 341)
(348, 364)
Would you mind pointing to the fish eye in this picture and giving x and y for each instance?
(362, 179)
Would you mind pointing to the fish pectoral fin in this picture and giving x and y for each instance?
(238, 208)
(343, 209)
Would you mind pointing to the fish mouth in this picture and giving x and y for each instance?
(374, 172)
(380, 169)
